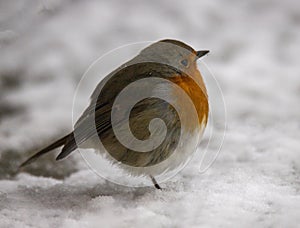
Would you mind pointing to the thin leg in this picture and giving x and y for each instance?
(155, 182)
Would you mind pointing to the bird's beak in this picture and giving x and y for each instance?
(201, 53)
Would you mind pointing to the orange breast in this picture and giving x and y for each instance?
(195, 89)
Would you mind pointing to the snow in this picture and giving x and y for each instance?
(45, 48)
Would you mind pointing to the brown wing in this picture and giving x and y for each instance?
(96, 120)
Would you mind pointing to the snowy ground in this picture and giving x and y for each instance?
(46, 46)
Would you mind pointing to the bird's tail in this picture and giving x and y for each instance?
(67, 141)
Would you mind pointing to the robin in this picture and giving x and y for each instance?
(122, 117)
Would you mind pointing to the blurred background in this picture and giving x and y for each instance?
(45, 48)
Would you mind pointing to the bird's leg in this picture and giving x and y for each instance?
(155, 182)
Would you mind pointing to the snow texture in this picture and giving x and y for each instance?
(46, 46)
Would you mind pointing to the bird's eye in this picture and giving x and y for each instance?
(184, 62)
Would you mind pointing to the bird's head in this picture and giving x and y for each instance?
(174, 53)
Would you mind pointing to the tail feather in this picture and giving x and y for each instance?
(62, 141)
(70, 146)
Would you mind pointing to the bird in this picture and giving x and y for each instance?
(157, 71)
